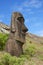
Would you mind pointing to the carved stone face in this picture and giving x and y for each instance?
(20, 27)
(17, 35)
(23, 27)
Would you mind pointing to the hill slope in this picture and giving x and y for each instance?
(4, 28)
(33, 48)
(34, 38)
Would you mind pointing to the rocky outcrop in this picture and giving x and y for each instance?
(4, 28)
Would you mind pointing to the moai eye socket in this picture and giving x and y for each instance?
(21, 19)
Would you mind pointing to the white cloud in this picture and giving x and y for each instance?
(1, 16)
(37, 24)
(27, 6)
(32, 3)
(0, 20)
(35, 3)
(40, 33)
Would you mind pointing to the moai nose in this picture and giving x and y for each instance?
(24, 28)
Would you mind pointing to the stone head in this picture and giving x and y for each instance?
(22, 29)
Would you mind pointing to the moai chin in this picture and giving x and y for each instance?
(17, 35)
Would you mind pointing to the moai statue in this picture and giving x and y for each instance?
(17, 35)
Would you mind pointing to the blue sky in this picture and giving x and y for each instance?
(32, 11)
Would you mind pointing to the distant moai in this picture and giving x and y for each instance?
(17, 35)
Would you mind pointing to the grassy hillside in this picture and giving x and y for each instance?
(33, 52)
(3, 39)
(34, 48)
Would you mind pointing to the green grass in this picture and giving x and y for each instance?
(6, 58)
(3, 39)
(30, 50)
(40, 57)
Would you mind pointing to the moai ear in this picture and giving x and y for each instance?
(13, 25)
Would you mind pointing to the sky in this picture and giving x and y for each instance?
(32, 10)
